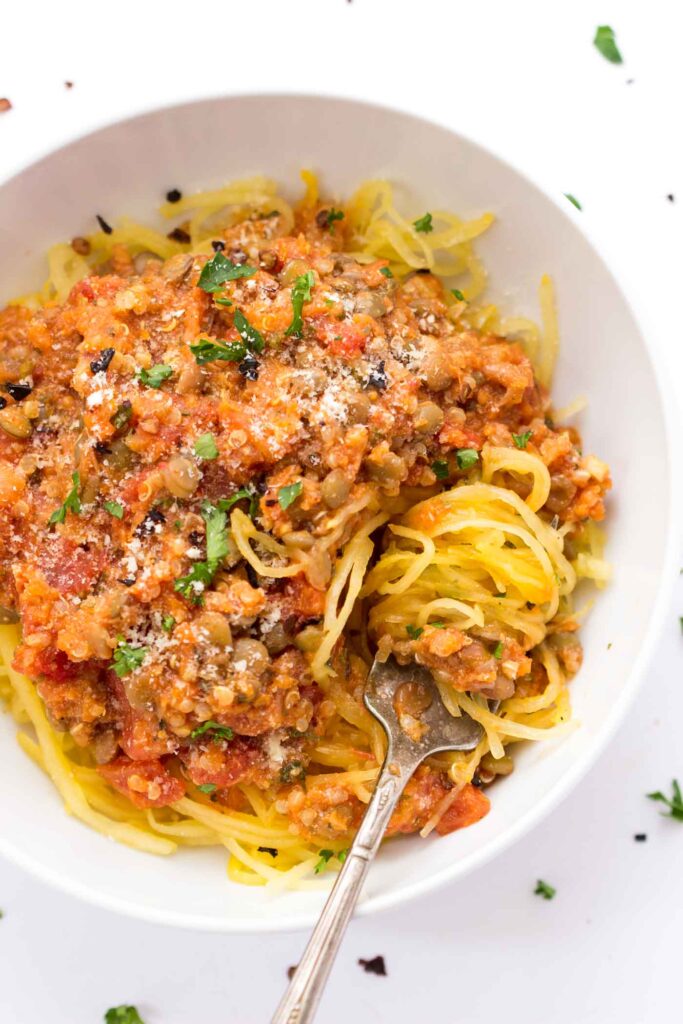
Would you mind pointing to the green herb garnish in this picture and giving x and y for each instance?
(252, 338)
(123, 1015)
(156, 375)
(458, 294)
(440, 469)
(72, 502)
(225, 504)
(466, 457)
(424, 224)
(521, 440)
(331, 216)
(222, 301)
(301, 292)
(386, 271)
(127, 658)
(606, 44)
(167, 623)
(544, 890)
(414, 632)
(122, 416)
(218, 731)
(206, 351)
(675, 804)
(114, 508)
(291, 771)
(325, 856)
(207, 787)
(205, 447)
(498, 650)
(573, 200)
(201, 574)
(287, 495)
(218, 270)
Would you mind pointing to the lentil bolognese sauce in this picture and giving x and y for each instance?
(239, 460)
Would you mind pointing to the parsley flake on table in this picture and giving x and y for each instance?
(205, 447)
(675, 803)
(127, 658)
(72, 502)
(424, 224)
(521, 440)
(301, 292)
(573, 200)
(544, 890)
(114, 508)
(466, 457)
(123, 1015)
(375, 965)
(156, 375)
(606, 44)
(287, 495)
(219, 270)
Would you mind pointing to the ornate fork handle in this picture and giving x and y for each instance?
(301, 999)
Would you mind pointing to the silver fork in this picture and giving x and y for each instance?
(433, 729)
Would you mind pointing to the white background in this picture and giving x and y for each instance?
(524, 78)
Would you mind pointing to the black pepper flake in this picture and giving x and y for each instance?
(3, 402)
(107, 228)
(128, 581)
(249, 368)
(102, 448)
(174, 195)
(291, 971)
(69, 85)
(18, 391)
(640, 837)
(196, 538)
(179, 235)
(217, 245)
(103, 360)
(377, 378)
(148, 525)
(374, 966)
(268, 849)
(270, 502)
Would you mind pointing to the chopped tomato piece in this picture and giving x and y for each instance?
(69, 568)
(469, 806)
(145, 783)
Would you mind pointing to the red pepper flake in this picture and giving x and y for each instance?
(174, 196)
(5, 105)
(107, 228)
(179, 235)
(374, 966)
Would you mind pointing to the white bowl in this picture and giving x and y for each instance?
(126, 169)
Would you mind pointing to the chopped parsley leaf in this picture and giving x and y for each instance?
(342, 855)
(573, 200)
(114, 508)
(301, 292)
(386, 271)
(205, 447)
(440, 469)
(123, 1015)
(287, 495)
(218, 731)
(414, 632)
(218, 270)
(544, 890)
(167, 623)
(195, 583)
(325, 856)
(72, 502)
(498, 650)
(466, 457)
(675, 804)
(424, 224)
(121, 417)
(222, 302)
(292, 771)
(127, 658)
(225, 504)
(606, 44)
(201, 574)
(155, 376)
(252, 338)
(331, 216)
(207, 787)
(206, 351)
(458, 294)
(521, 440)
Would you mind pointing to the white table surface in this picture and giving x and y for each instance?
(525, 78)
